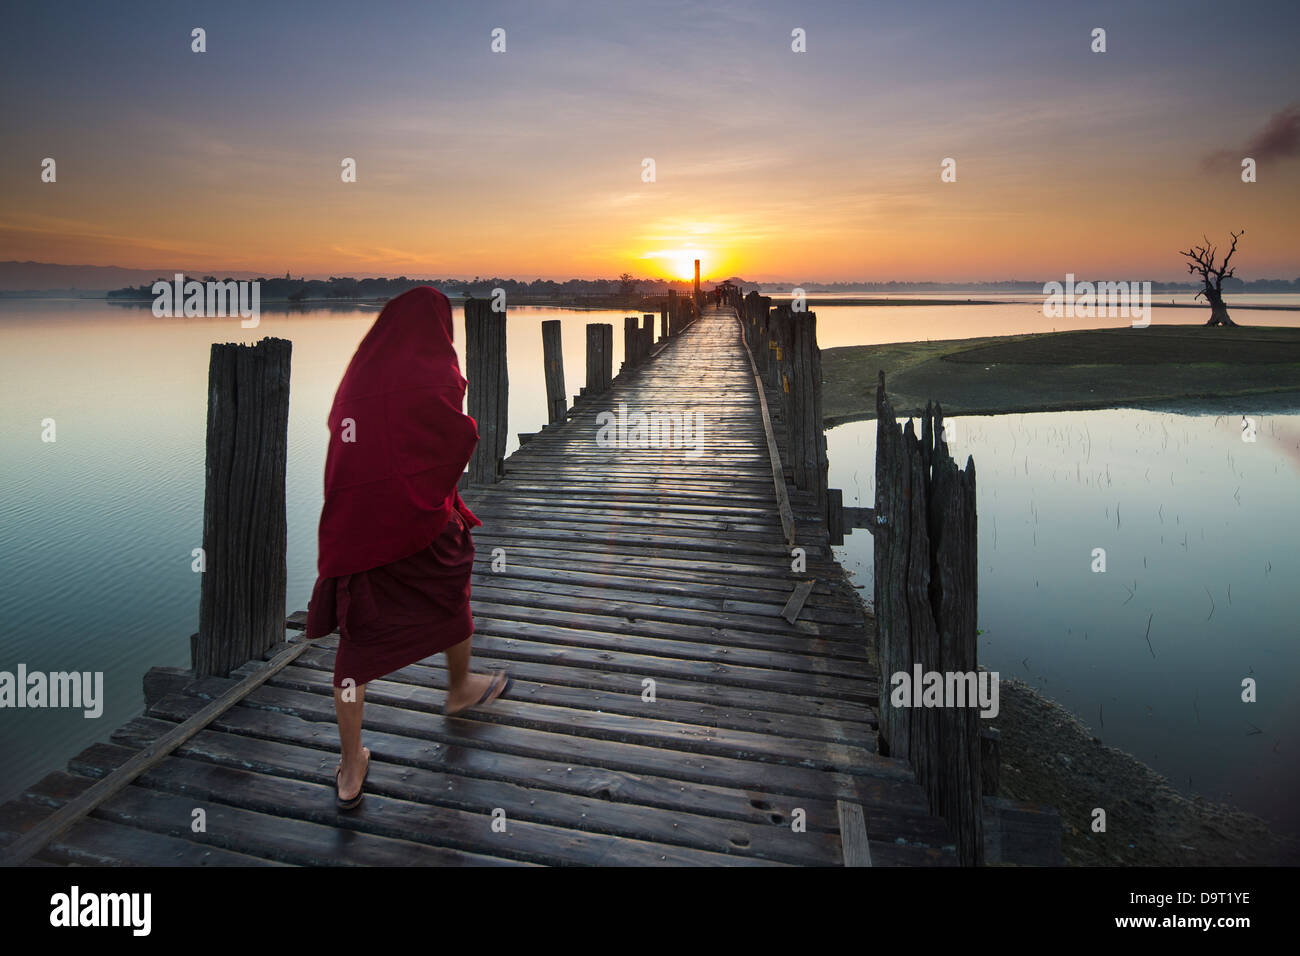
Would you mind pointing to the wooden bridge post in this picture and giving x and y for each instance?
(809, 447)
(672, 312)
(553, 363)
(890, 542)
(631, 341)
(600, 356)
(926, 567)
(775, 322)
(647, 334)
(242, 593)
(764, 329)
(487, 399)
(954, 586)
(781, 367)
(663, 322)
(750, 313)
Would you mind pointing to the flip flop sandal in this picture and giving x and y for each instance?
(355, 801)
(509, 682)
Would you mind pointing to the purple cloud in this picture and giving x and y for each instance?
(1279, 139)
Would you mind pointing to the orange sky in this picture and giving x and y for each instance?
(769, 164)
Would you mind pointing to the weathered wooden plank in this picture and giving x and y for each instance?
(468, 777)
(797, 598)
(648, 727)
(78, 808)
(622, 696)
(272, 790)
(266, 831)
(778, 470)
(853, 835)
(102, 843)
(889, 783)
(241, 802)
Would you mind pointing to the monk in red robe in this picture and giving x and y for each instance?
(395, 552)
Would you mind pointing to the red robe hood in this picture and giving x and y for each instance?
(398, 440)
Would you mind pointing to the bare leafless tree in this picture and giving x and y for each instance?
(1201, 262)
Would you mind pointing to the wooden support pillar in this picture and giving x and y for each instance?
(663, 323)
(926, 580)
(835, 514)
(809, 440)
(763, 333)
(631, 341)
(951, 514)
(489, 388)
(890, 543)
(781, 372)
(242, 593)
(647, 334)
(990, 761)
(672, 312)
(600, 357)
(553, 363)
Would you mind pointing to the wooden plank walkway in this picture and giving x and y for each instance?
(621, 566)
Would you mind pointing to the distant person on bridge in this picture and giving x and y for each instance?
(395, 551)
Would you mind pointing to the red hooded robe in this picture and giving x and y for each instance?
(398, 445)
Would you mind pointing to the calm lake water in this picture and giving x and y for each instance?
(97, 527)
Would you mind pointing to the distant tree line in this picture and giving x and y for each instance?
(1024, 285)
(347, 287)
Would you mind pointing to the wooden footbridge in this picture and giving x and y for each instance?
(695, 679)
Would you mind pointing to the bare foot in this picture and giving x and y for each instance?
(352, 776)
(474, 690)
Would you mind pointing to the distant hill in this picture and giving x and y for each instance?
(49, 276)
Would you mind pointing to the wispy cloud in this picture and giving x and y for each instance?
(1279, 139)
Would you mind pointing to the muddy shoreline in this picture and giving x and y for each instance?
(1050, 756)
(1067, 371)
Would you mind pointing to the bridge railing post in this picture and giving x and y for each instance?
(782, 371)
(242, 590)
(487, 397)
(764, 332)
(926, 576)
(553, 366)
(600, 357)
(808, 438)
(631, 341)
